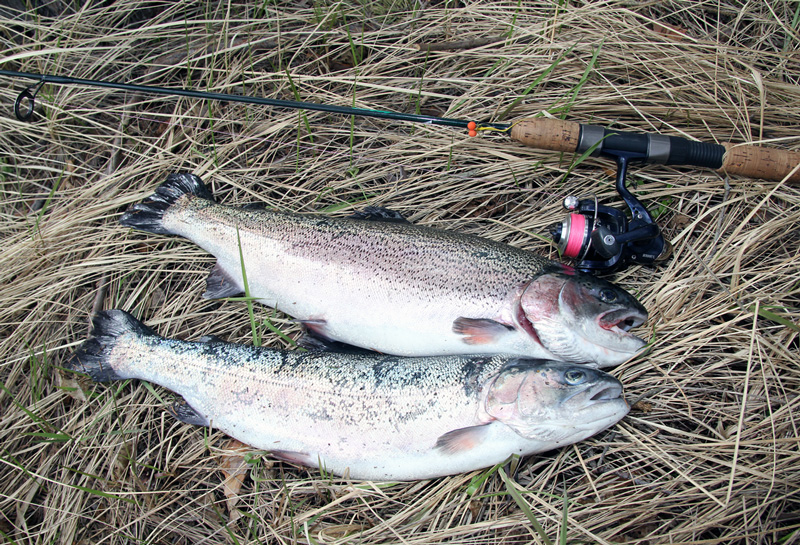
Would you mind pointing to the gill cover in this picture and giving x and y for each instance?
(529, 396)
(581, 318)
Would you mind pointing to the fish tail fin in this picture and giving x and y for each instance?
(92, 357)
(148, 215)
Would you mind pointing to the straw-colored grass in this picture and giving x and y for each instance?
(708, 455)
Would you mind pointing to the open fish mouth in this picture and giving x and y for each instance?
(621, 321)
(598, 393)
(604, 392)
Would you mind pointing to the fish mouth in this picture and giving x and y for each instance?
(598, 393)
(601, 402)
(604, 392)
(621, 321)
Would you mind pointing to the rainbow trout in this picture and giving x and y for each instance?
(369, 416)
(399, 288)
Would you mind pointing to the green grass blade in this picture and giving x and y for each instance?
(353, 118)
(524, 507)
(104, 494)
(582, 158)
(303, 115)
(149, 388)
(42, 423)
(513, 24)
(481, 478)
(50, 437)
(584, 78)
(562, 534)
(46, 204)
(272, 327)
(7, 538)
(536, 82)
(773, 317)
(248, 298)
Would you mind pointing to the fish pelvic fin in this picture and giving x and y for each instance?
(479, 330)
(462, 439)
(148, 215)
(92, 357)
(188, 414)
(296, 458)
(220, 284)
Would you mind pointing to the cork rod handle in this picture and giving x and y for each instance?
(741, 159)
(760, 162)
(549, 134)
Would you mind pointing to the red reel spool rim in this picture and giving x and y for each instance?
(576, 235)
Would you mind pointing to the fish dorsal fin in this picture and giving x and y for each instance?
(377, 213)
(185, 413)
(220, 284)
(479, 330)
(462, 439)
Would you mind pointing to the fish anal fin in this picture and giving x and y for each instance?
(186, 413)
(220, 284)
(480, 330)
(317, 327)
(377, 213)
(462, 439)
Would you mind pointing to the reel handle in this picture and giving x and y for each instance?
(740, 159)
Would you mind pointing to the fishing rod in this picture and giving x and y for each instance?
(599, 238)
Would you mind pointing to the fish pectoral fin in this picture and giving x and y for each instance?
(185, 413)
(377, 213)
(220, 284)
(480, 330)
(315, 343)
(462, 439)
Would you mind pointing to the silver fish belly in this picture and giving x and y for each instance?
(367, 416)
(399, 288)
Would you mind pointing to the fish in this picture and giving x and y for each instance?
(378, 282)
(365, 416)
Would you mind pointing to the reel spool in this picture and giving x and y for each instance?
(601, 238)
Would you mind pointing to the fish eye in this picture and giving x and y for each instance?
(608, 295)
(574, 376)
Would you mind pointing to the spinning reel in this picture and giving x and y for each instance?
(602, 238)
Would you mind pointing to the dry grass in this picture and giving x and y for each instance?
(709, 455)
